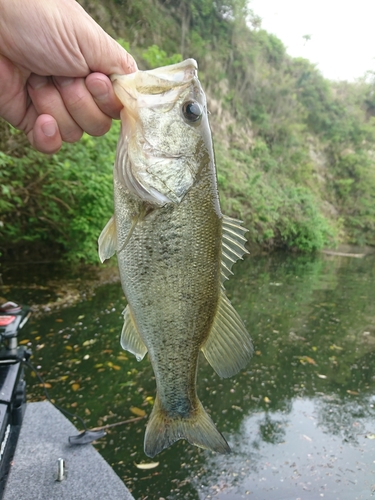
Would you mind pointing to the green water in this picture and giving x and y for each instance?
(300, 419)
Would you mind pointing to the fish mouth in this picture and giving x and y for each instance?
(174, 74)
(160, 87)
(155, 81)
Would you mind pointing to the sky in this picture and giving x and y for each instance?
(342, 43)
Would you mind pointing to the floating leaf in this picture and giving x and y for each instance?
(238, 408)
(69, 348)
(46, 385)
(24, 342)
(75, 386)
(64, 377)
(266, 400)
(81, 316)
(150, 465)
(352, 393)
(307, 359)
(335, 347)
(59, 320)
(370, 436)
(116, 367)
(89, 342)
(137, 411)
(322, 376)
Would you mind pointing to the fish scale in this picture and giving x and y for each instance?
(174, 249)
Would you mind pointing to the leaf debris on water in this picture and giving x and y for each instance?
(307, 359)
(137, 411)
(150, 465)
(89, 342)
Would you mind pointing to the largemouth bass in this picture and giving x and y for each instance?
(174, 249)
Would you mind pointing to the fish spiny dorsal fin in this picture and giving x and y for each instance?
(130, 339)
(232, 245)
(228, 347)
(107, 240)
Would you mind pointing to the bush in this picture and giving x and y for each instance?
(64, 199)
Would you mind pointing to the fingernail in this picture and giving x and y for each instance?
(63, 81)
(49, 129)
(37, 81)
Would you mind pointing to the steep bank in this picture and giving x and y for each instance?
(295, 152)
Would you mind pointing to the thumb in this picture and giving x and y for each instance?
(101, 52)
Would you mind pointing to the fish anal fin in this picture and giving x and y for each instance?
(130, 339)
(228, 348)
(197, 428)
(107, 240)
(232, 247)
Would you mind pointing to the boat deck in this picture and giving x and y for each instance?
(42, 441)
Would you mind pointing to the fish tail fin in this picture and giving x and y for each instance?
(197, 428)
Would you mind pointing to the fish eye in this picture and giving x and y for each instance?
(192, 111)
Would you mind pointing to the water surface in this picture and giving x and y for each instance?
(300, 418)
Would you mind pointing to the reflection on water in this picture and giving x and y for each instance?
(300, 419)
(292, 455)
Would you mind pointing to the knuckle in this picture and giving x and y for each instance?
(72, 135)
(100, 128)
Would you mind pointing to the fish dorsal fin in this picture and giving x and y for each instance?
(232, 247)
(130, 339)
(107, 240)
(228, 347)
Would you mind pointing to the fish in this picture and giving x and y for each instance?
(175, 249)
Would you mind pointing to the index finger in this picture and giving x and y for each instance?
(101, 89)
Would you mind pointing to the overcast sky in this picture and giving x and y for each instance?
(342, 43)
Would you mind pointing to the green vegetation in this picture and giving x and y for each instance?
(294, 151)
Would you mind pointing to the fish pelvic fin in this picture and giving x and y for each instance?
(107, 240)
(232, 246)
(130, 338)
(228, 348)
(197, 428)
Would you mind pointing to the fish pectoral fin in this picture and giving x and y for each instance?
(130, 339)
(228, 347)
(232, 246)
(163, 429)
(107, 240)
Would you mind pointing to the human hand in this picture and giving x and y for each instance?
(54, 62)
